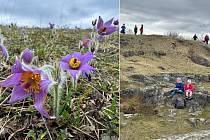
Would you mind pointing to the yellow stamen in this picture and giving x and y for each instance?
(30, 82)
(74, 63)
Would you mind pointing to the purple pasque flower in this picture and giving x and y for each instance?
(86, 42)
(27, 56)
(105, 28)
(4, 52)
(94, 22)
(116, 22)
(77, 63)
(28, 81)
(51, 25)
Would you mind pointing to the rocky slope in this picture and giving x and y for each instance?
(149, 68)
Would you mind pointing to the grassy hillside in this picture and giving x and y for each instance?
(86, 116)
(152, 54)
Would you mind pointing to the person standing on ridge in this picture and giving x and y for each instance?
(195, 37)
(141, 29)
(123, 29)
(135, 29)
(206, 39)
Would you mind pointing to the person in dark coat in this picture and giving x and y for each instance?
(195, 37)
(135, 29)
(206, 39)
(123, 29)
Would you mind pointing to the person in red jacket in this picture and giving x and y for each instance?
(188, 87)
(141, 29)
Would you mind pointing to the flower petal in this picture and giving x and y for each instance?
(109, 22)
(27, 56)
(77, 55)
(87, 57)
(88, 43)
(44, 85)
(87, 68)
(100, 22)
(116, 22)
(12, 80)
(18, 94)
(66, 58)
(39, 103)
(64, 65)
(110, 30)
(17, 67)
(73, 73)
(4, 52)
(85, 37)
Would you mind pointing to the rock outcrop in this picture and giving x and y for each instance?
(157, 88)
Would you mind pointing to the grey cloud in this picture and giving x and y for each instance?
(62, 12)
(160, 16)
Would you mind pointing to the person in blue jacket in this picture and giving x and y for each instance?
(123, 29)
(179, 87)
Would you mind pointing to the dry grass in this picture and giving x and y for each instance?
(147, 127)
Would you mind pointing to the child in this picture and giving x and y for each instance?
(188, 87)
(179, 87)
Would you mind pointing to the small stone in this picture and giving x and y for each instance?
(207, 122)
(193, 121)
(202, 120)
(127, 116)
(135, 115)
(197, 113)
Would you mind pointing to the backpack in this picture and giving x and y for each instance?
(180, 103)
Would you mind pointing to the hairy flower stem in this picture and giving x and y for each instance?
(59, 95)
(69, 96)
(55, 100)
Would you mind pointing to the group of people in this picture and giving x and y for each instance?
(136, 29)
(206, 38)
(183, 89)
(123, 28)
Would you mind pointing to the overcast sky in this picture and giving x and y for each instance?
(72, 13)
(186, 17)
